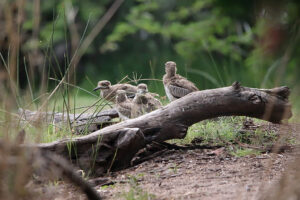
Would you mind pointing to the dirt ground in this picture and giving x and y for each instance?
(193, 174)
(196, 174)
(199, 174)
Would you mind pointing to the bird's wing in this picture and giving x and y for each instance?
(153, 105)
(138, 109)
(184, 83)
(157, 103)
(125, 108)
(153, 101)
(124, 87)
(130, 90)
(178, 92)
(127, 104)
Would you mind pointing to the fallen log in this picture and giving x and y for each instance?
(24, 161)
(108, 151)
(114, 146)
(80, 123)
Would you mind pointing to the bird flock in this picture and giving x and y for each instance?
(133, 101)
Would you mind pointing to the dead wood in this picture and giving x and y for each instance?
(68, 172)
(114, 146)
(47, 166)
(108, 151)
(80, 123)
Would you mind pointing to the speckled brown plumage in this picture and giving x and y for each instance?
(152, 103)
(175, 85)
(123, 105)
(108, 91)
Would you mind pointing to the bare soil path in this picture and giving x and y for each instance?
(199, 174)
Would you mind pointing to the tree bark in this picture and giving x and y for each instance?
(101, 154)
(113, 147)
(23, 161)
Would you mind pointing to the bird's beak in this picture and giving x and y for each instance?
(98, 88)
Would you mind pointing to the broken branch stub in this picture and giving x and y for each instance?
(118, 143)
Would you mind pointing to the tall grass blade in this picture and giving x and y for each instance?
(28, 80)
(206, 76)
(269, 72)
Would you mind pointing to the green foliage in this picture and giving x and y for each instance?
(220, 42)
(195, 27)
(226, 41)
(219, 132)
(227, 132)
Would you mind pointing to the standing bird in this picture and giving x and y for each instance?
(140, 104)
(123, 105)
(175, 85)
(130, 108)
(108, 91)
(152, 103)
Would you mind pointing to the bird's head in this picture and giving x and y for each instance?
(142, 88)
(103, 85)
(170, 68)
(121, 96)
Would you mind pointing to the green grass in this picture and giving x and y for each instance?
(241, 152)
(76, 104)
(223, 129)
(227, 132)
(42, 132)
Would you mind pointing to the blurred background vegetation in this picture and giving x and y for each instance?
(53, 53)
(214, 42)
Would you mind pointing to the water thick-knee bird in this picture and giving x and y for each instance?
(108, 91)
(127, 108)
(152, 103)
(175, 85)
(123, 105)
(140, 104)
